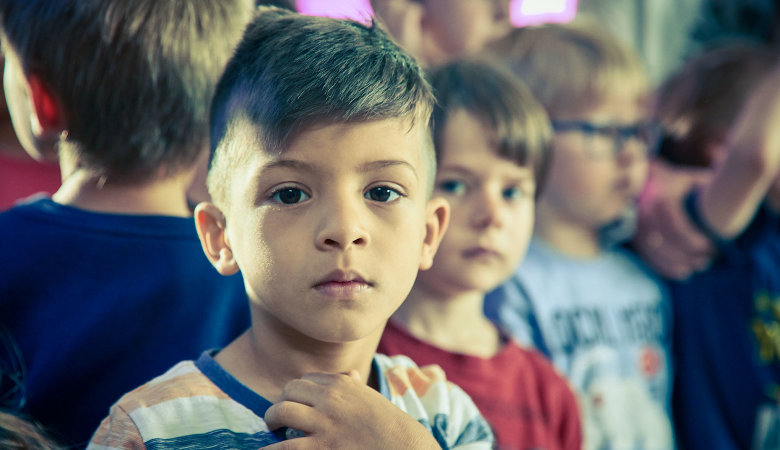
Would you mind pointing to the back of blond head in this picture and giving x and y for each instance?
(573, 68)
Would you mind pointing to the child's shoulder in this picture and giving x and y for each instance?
(177, 385)
(530, 363)
(181, 407)
(548, 267)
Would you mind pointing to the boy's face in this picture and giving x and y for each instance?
(462, 27)
(492, 201)
(329, 234)
(591, 181)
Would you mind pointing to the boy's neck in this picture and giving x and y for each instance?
(567, 237)
(451, 321)
(269, 355)
(84, 190)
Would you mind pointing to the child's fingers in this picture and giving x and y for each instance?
(303, 391)
(681, 233)
(291, 415)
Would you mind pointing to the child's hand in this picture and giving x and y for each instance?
(340, 411)
(665, 237)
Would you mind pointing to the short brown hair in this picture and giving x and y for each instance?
(518, 125)
(572, 68)
(697, 104)
(134, 78)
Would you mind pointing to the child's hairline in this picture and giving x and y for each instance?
(489, 131)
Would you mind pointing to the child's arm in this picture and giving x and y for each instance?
(340, 411)
(729, 202)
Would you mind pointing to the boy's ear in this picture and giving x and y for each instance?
(212, 231)
(438, 217)
(47, 121)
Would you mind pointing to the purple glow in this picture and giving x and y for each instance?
(359, 10)
(522, 12)
(536, 12)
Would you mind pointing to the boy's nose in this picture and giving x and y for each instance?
(341, 228)
(486, 211)
(631, 150)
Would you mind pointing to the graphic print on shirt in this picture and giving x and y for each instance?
(765, 326)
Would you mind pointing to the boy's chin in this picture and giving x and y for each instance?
(344, 334)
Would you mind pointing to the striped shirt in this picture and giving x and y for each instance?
(197, 404)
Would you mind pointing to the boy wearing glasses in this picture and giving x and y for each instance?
(591, 306)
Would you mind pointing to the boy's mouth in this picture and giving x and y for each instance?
(480, 252)
(342, 284)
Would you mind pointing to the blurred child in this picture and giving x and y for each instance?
(322, 178)
(104, 283)
(438, 31)
(492, 143)
(598, 313)
(726, 318)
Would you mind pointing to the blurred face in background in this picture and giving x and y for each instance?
(461, 27)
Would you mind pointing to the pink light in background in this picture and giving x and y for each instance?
(536, 12)
(342, 9)
(522, 12)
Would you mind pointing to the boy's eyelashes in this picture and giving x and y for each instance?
(383, 194)
(290, 195)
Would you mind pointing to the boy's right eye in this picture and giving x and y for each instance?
(289, 196)
(453, 187)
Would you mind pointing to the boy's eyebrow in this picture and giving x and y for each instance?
(367, 167)
(381, 164)
(290, 164)
(523, 176)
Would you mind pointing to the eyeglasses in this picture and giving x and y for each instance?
(607, 141)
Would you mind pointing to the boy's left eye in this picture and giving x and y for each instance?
(382, 194)
(513, 193)
(289, 196)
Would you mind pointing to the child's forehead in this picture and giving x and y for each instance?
(622, 104)
(328, 135)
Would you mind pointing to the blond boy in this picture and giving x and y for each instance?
(590, 305)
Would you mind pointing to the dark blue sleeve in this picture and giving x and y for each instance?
(764, 222)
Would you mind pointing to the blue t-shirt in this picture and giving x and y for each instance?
(94, 304)
(727, 342)
(605, 322)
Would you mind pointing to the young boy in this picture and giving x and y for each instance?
(593, 308)
(322, 178)
(492, 142)
(104, 284)
(719, 116)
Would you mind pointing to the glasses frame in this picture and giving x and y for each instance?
(648, 133)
